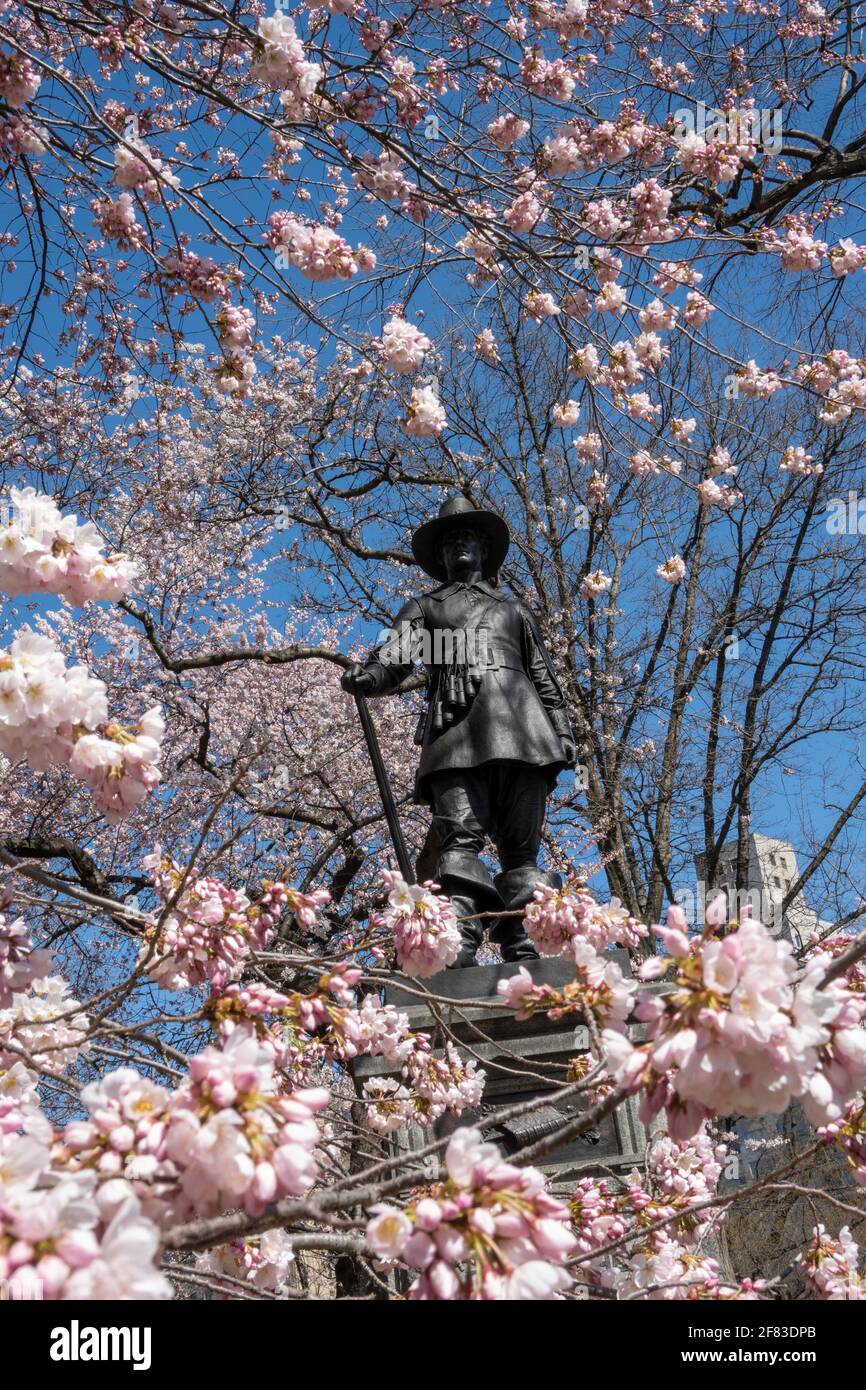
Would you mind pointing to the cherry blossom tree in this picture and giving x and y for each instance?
(274, 281)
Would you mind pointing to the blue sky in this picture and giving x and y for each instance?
(783, 800)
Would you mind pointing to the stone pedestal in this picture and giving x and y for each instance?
(522, 1060)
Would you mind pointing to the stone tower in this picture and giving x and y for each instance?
(771, 873)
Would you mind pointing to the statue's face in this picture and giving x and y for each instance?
(463, 550)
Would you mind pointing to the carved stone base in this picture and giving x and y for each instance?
(522, 1061)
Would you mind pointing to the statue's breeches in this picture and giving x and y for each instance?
(506, 722)
(505, 801)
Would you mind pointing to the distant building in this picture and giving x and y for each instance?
(771, 872)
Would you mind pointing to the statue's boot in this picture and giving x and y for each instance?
(515, 888)
(469, 885)
(471, 932)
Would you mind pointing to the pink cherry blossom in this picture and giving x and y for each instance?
(830, 1266)
(595, 584)
(506, 130)
(796, 460)
(19, 79)
(317, 252)
(556, 917)
(42, 551)
(425, 930)
(734, 1037)
(588, 448)
(47, 1022)
(539, 305)
(525, 212)
(486, 347)
(138, 168)
(599, 990)
(403, 346)
(489, 1231)
(119, 764)
(425, 416)
(262, 1262)
(673, 570)
(117, 222)
(565, 414)
(584, 362)
(20, 964)
(698, 309)
(211, 929)
(281, 61)
(845, 257)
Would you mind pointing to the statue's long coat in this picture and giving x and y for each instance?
(517, 713)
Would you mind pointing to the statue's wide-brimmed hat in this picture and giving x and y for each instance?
(456, 511)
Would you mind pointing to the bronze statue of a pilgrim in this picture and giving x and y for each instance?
(495, 734)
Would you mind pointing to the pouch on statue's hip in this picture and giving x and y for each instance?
(449, 697)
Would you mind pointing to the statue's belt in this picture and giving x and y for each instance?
(491, 656)
(452, 687)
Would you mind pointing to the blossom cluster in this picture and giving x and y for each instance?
(664, 1269)
(200, 276)
(490, 1231)
(558, 918)
(137, 169)
(800, 250)
(21, 136)
(316, 251)
(45, 1023)
(210, 930)
(403, 346)
(234, 375)
(327, 1024)
(19, 1105)
(43, 703)
(382, 174)
(116, 220)
(20, 963)
(118, 763)
(595, 584)
(52, 714)
(261, 1262)
(423, 924)
(661, 1264)
(19, 79)
(718, 161)
(849, 1133)
(425, 415)
(303, 1029)
(42, 551)
(599, 989)
(38, 1019)
(734, 1036)
(69, 1237)
(428, 1087)
(673, 570)
(280, 61)
(81, 1218)
(829, 1266)
(228, 1136)
(840, 379)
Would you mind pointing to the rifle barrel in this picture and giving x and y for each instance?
(389, 805)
